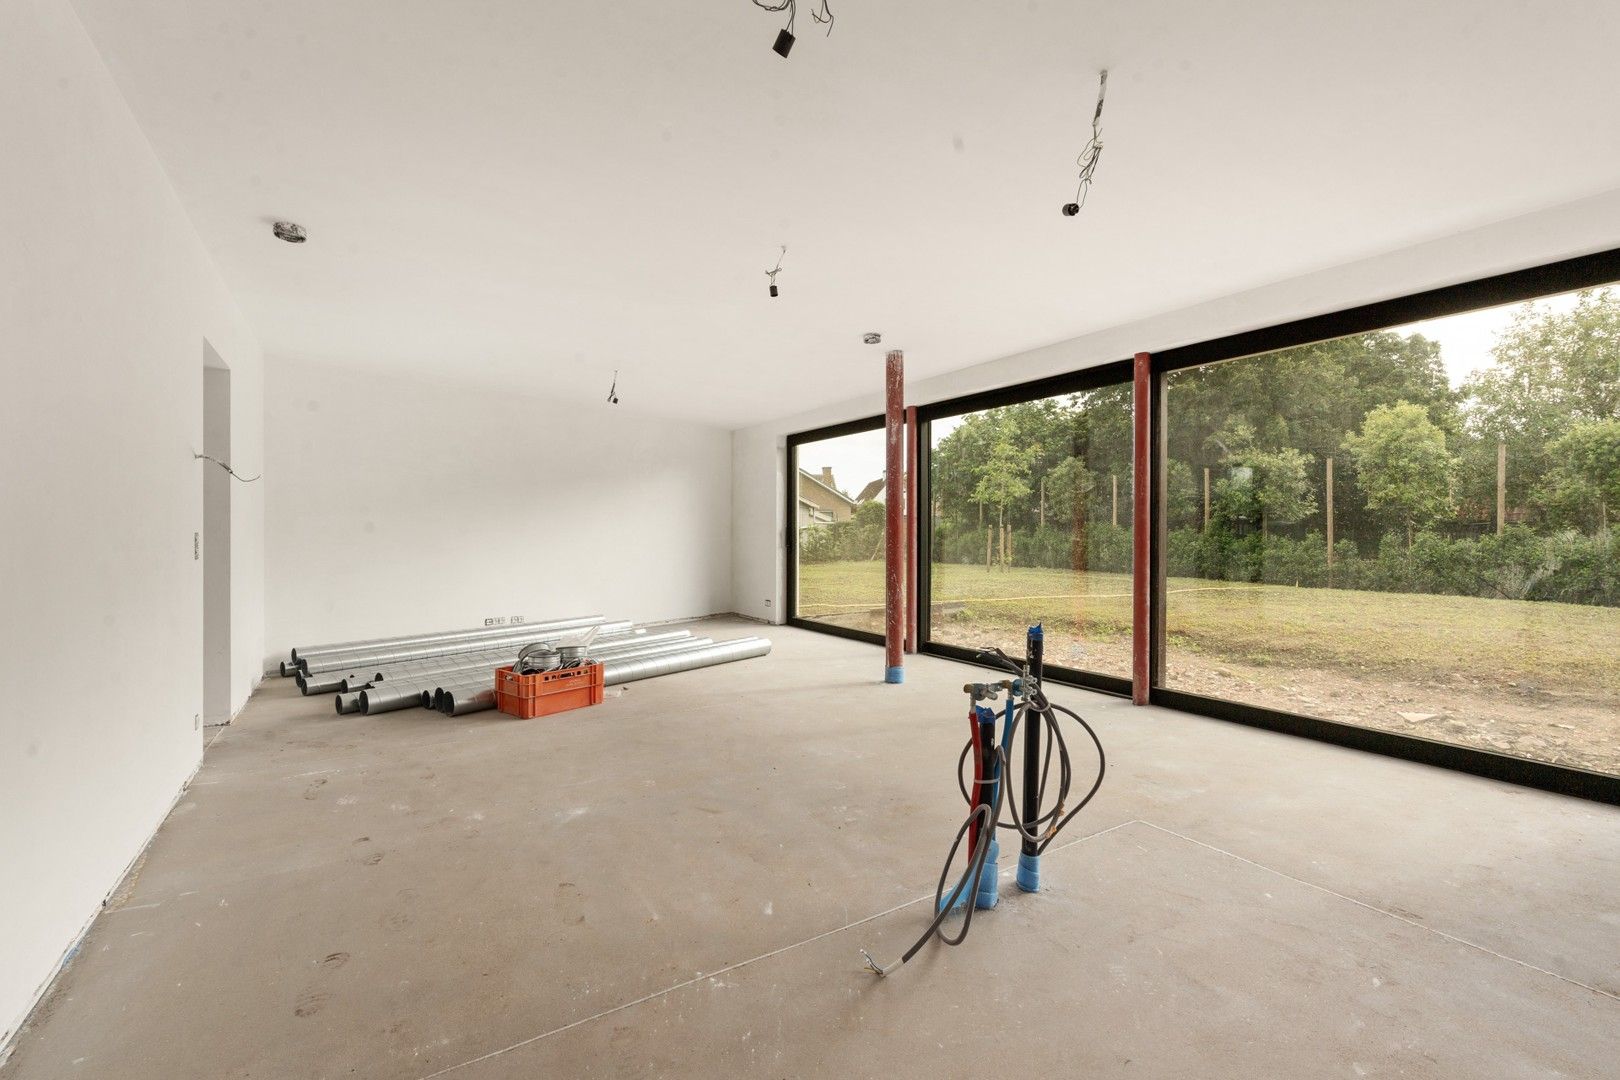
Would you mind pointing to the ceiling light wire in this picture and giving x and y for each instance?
(790, 6)
(772, 273)
(822, 14)
(1091, 154)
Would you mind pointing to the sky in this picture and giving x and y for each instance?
(1465, 347)
(1466, 339)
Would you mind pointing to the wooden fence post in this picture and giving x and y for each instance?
(1501, 485)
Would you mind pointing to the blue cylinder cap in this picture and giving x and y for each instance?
(1029, 872)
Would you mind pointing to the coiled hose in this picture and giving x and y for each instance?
(1054, 820)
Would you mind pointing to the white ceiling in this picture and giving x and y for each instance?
(535, 193)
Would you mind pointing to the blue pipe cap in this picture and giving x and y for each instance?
(1029, 872)
(986, 897)
(895, 675)
(961, 900)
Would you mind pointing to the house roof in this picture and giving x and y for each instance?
(870, 491)
(839, 495)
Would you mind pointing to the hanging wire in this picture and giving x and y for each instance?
(790, 6)
(227, 468)
(772, 273)
(1093, 150)
(822, 13)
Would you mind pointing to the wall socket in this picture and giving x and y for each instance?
(499, 620)
(196, 721)
(196, 546)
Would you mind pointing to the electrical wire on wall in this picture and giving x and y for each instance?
(1091, 154)
(821, 13)
(223, 465)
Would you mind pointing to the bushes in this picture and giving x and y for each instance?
(1518, 565)
(859, 538)
(1106, 549)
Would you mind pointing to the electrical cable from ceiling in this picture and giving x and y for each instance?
(1091, 154)
(227, 468)
(821, 13)
(772, 273)
(613, 391)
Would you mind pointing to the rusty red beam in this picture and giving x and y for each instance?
(914, 511)
(894, 539)
(1141, 526)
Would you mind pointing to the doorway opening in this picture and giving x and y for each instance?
(216, 540)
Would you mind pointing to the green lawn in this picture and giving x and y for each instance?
(1498, 642)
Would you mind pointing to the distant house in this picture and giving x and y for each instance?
(870, 491)
(820, 501)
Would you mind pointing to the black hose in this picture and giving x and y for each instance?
(969, 881)
(1055, 820)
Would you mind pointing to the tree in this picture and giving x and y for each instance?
(1067, 487)
(1404, 466)
(1276, 483)
(1183, 497)
(1551, 369)
(1585, 484)
(1004, 478)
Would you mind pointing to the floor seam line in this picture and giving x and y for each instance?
(1382, 911)
(740, 964)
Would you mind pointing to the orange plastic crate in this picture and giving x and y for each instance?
(528, 696)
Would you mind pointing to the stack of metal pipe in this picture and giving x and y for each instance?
(453, 671)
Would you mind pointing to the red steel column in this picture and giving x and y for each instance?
(894, 540)
(1141, 525)
(914, 512)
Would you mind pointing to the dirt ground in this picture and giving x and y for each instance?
(1522, 719)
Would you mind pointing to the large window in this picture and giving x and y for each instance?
(1030, 521)
(1409, 530)
(1392, 527)
(838, 494)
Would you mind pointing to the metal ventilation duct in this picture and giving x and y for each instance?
(312, 651)
(615, 672)
(370, 661)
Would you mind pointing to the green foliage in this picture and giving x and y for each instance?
(1403, 463)
(1269, 487)
(1004, 475)
(1068, 487)
(861, 537)
(1519, 565)
(1550, 370)
(1585, 484)
(1413, 462)
(1181, 494)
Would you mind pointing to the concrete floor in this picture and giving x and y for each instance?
(678, 883)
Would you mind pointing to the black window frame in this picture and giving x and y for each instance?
(1514, 287)
(1110, 373)
(790, 591)
(1589, 271)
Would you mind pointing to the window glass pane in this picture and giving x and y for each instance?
(1409, 530)
(839, 530)
(1032, 523)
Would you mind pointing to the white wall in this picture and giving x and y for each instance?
(400, 505)
(106, 298)
(758, 453)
